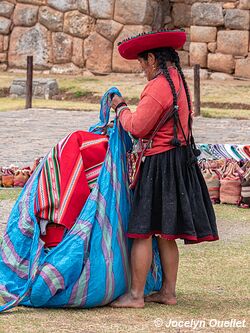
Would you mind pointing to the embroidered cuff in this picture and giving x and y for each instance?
(119, 105)
(120, 109)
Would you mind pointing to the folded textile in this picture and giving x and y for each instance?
(224, 151)
(70, 170)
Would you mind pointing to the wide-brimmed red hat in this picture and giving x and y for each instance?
(130, 48)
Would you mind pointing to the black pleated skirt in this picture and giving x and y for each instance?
(171, 200)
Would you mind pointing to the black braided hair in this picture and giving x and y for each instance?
(178, 66)
(163, 55)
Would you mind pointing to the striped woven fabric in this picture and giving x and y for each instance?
(230, 184)
(224, 151)
(247, 151)
(212, 180)
(70, 170)
(90, 266)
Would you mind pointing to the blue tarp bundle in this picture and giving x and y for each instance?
(90, 267)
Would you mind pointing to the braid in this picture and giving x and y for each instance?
(162, 57)
(178, 66)
(176, 60)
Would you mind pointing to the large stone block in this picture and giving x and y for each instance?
(82, 6)
(108, 28)
(3, 57)
(207, 14)
(63, 5)
(198, 54)
(221, 76)
(3, 67)
(101, 8)
(6, 9)
(119, 64)
(187, 43)
(98, 53)
(237, 19)
(5, 25)
(233, 42)
(66, 69)
(62, 47)
(181, 14)
(184, 58)
(242, 68)
(1, 43)
(244, 4)
(221, 62)
(203, 34)
(229, 5)
(42, 88)
(161, 14)
(30, 41)
(212, 47)
(25, 15)
(134, 12)
(77, 24)
(6, 43)
(189, 73)
(50, 18)
(78, 52)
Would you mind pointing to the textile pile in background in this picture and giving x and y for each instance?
(226, 169)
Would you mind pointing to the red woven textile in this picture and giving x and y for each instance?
(63, 187)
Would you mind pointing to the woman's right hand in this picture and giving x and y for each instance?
(116, 100)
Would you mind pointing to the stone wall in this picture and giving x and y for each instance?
(218, 34)
(68, 35)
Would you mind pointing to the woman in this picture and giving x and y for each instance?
(171, 199)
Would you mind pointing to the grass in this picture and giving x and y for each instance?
(213, 283)
(225, 113)
(9, 194)
(7, 103)
(225, 91)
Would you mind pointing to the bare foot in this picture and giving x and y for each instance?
(163, 298)
(128, 301)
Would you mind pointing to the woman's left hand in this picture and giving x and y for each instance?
(116, 100)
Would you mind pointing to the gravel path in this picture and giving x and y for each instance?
(27, 134)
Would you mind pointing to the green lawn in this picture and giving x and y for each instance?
(9, 194)
(213, 283)
(225, 113)
(7, 103)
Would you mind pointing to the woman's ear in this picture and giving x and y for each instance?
(151, 59)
